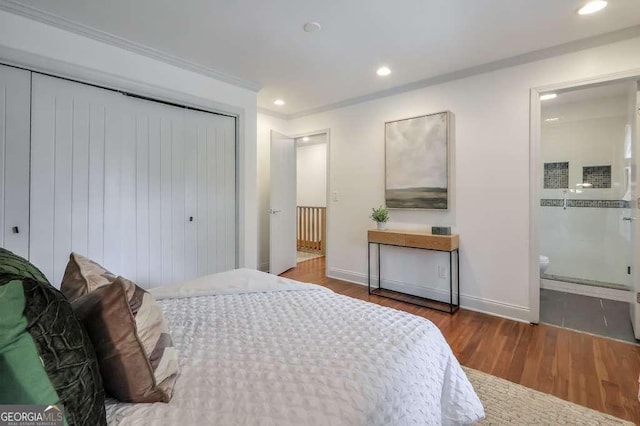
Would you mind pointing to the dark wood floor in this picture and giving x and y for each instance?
(595, 372)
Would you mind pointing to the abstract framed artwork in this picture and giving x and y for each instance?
(417, 162)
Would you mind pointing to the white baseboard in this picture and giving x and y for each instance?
(587, 290)
(344, 275)
(264, 267)
(472, 303)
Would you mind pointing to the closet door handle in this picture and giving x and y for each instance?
(16, 230)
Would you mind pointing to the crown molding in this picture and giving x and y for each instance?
(537, 55)
(271, 113)
(18, 8)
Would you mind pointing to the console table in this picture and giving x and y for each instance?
(423, 241)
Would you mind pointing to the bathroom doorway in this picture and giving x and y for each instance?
(587, 207)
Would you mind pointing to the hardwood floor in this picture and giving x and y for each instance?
(595, 372)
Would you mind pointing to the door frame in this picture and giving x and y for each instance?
(534, 173)
(327, 132)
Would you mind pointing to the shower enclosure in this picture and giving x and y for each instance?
(585, 205)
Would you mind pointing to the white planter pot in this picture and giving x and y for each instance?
(382, 226)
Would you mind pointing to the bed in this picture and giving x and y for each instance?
(254, 348)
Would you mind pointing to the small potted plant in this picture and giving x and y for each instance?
(380, 216)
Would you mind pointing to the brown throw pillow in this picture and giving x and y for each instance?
(83, 276)
(135, 352)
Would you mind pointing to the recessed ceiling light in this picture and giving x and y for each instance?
(548, 96)
(312, 27)
(305, 139)
(383, 71)
(592, 7)
(278, 102)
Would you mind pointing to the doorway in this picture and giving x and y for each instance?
(585, 206)
(298, 210)
(311, 196)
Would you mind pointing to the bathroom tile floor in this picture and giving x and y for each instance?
(603, 317)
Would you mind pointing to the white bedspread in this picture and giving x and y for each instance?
(271, 351)
(238, 281)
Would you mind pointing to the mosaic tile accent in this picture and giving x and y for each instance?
(556, 175)
(603, 204)
(597, 176)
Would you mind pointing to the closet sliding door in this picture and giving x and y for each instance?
(146, 189)
(15, 87)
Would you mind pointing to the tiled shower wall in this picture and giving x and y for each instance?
(597, 176)
(556, 175)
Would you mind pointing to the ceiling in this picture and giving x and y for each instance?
(263, 41)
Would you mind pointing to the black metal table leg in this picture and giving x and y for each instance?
(379, 273)
(369, 266)
(450, 283)
(458, 276)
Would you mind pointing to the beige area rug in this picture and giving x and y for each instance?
(506, 403)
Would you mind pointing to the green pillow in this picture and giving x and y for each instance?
(24, 380)
(61, 341)
(10, 264)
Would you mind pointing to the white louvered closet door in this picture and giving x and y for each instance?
(15, 86)
(146, 189)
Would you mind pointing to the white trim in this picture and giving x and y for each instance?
(349, 276)
(472, 303)
(327, 246)
(534, 173)
(270, 113)
(18, 8)
(534, 209)
(57, 68)
(587, 290)
(495, 308)
(314, 133)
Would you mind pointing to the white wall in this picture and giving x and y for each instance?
(311, 173)
(490, 175)
(584, 242)
(46, 48)
(265, 124)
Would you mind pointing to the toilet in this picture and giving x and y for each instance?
(544, 264)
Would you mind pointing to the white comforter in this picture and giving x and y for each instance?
(256, 349)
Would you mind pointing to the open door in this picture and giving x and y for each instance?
(632, 157)
(282, 211)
